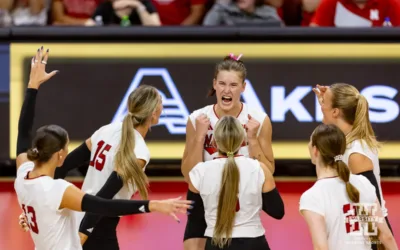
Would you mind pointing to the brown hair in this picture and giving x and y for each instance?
(47, 141)
(355, 110)
(229, 135)
(229, 64)
(331, 142)
(142, 102)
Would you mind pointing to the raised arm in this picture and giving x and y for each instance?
(37, 76)
(193, 152)
(260, 147)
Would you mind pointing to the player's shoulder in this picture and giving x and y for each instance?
(313, 192)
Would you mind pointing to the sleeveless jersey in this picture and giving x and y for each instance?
(210, 152)
(206, 178)
(328, 198)
(361, 147)
(105, 143)
(40, 198)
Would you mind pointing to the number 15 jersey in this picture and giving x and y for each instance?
(105, 144)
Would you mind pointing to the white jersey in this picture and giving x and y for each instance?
(40, 198)
(361, 147)
(328, 198)
(105, 143)
(210, 152)
(206, 178)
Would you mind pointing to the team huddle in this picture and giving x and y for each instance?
(228, 163)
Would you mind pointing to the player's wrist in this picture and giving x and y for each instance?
(153, 206)
(200, 139)
(252, 141)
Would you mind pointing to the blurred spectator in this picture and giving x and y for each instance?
(30, 12)
(5, 8)
(125, 13)
(73, 12)
(180, 12)
(243, 13)
(356, 13)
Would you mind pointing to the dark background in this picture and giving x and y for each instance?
(87, 93)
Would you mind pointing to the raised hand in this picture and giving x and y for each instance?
(38, 73)
(320, 92)
(252, 127)
(202, 125)
(171, 207)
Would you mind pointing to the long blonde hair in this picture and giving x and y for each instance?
(355, 110)
(330, 142)
(142, 102)
(229, 135)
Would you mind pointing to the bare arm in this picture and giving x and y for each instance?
(60, 17)
(359, 163)
(195, 145)
(316, 225)
(261, 148)
(385, 236)
(148, 19)
(6, 4)
(269, 183)
(36, 6)
(196, 14)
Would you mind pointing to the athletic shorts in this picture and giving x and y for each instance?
(259, 243)
(104, 235)
(196, 223)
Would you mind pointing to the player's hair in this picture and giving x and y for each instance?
(48, 140)
(230, 63)
(331, 142)
(354, 108)
(142, 102)
(229, 135)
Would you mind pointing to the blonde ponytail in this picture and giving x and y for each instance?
(228, 199)
(126, 162)
(362, 128)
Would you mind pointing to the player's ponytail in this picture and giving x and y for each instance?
(344, 174)
(230, 63)
(142, 103)
(229, 135)
(355, 111)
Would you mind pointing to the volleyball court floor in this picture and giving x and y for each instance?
(160, 232)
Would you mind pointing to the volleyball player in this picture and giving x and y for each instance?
(228, 85)
(335, 205)
(226, 183)
(344, 106)
(48, 203)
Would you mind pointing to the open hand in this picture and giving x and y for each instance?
(38, 73)
(171, 206)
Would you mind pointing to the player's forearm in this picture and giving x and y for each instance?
(256, 152)
(106, 207)
(195, 155)
(26, 119)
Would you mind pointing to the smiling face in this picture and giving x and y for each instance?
(228, 86)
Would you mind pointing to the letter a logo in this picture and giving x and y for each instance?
(175, 113)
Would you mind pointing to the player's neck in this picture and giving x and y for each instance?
(344, 126)
(236, 109)
(325, 172)
(142, 130)
(44, 169)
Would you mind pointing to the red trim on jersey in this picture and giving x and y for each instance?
(27, 176)
(219, 157)
(215, 112)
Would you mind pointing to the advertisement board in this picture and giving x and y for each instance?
(95, 80)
